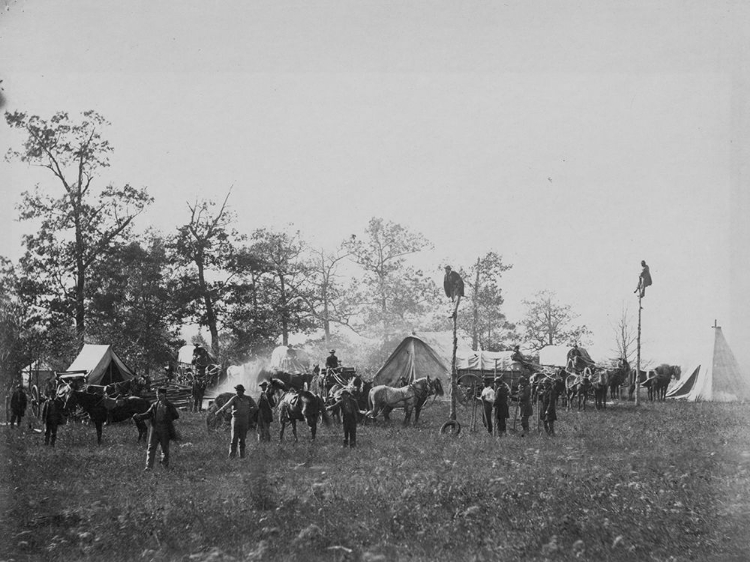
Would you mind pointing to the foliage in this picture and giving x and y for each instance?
(658, 482)
(132, 306)
(77, 225)
(482, 316)
(547, 322)
(204, 250)
(393, 294)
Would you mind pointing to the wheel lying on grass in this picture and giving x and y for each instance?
(451, 427)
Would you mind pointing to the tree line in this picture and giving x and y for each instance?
(87, 275)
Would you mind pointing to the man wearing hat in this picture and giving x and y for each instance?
(18, 402)
(349, 411)
(243, 410)
(332, 362)
(502, 410)
(162, 414)
(265, 412)
(524, 401)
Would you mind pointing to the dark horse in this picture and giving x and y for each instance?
(100, 409)
(301, 406)
(358, 389)
(410, 397)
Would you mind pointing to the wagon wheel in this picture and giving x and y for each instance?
(451, 427)
(466, 386)
(36, 402)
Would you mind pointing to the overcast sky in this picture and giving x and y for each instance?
(574, 138)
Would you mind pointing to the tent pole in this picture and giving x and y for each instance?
(638, 359)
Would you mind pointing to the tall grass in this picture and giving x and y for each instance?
(659, 482)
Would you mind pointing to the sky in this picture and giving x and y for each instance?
(575, 139)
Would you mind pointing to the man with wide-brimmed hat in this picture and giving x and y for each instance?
(243, 410)
(266, 403)
(502, 410)
(162, 414)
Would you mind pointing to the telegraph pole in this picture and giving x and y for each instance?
(638, 359)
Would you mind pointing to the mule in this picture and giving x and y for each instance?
(578, 386)
(101, 408)
(301, 406)
(383, 398)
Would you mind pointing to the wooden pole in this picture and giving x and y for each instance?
(454, 373)
(638, 359)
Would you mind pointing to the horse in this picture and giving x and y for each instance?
(340, 376)
(410, 397)
(101, 408)
(225, 418)
(647, 380)
(301, 406)
(664, 375)
(297, 381)
(617, 378)
(600, 384)
(358, 389)
(578, 386)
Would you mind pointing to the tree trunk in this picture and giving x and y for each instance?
(208, 302)
(475, 319)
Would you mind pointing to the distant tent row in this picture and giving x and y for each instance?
(717, 377)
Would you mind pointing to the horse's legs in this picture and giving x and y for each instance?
(294, 429)
(99, 432)
(407, 415)
(387, 412)
(313, 430)
(281, 433)
(417, 410)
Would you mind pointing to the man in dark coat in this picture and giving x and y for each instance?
(548, 409)
(644, 279)
(243, 412)
(349, 412)
(332, 362)
(502, 410)
(453, 284)
(524, 401)
(266, 403)
(18, 403)
(162, 414)
(51, 417)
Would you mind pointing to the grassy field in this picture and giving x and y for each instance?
(660, 482)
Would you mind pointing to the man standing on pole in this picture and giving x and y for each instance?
(644, 280)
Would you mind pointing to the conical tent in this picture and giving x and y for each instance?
(716, 378)
(414, 358)
(101, 364)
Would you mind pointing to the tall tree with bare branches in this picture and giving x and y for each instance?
(78, 223)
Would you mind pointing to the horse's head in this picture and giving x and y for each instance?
(437, 387)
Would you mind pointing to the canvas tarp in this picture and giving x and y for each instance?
(185, 354)
(101, 364)
(487, 361)
(557, 355)
(289, 360)
(717, 377)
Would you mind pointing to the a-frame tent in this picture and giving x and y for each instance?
(716, 378)
(421, 356)
(101, 365)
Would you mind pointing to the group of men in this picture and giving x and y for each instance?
(495, 404)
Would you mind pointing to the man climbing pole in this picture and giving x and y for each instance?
(644, 279)
(454, 287)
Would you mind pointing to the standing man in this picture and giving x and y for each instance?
(198, 390)
(18, 403)
(51, 417)
(349, 412)
(524, 399)
(265, 412)
(644, 279)
(488, 401)
(502, 410)
(548, 410)
(162, 414)
(243, 410)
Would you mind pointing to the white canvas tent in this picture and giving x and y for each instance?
(101, 365)
(716, 377)
(429, 354)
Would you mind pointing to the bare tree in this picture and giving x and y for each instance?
(625, 334)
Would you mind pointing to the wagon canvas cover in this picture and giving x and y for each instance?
(102, 365)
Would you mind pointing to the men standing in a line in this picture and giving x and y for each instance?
(162, 414)
(18, 403)
(502, 410)
(524, 400)
(243, 410)
(266, 403)
(349, 413)
(488, 401)
(51, 417)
